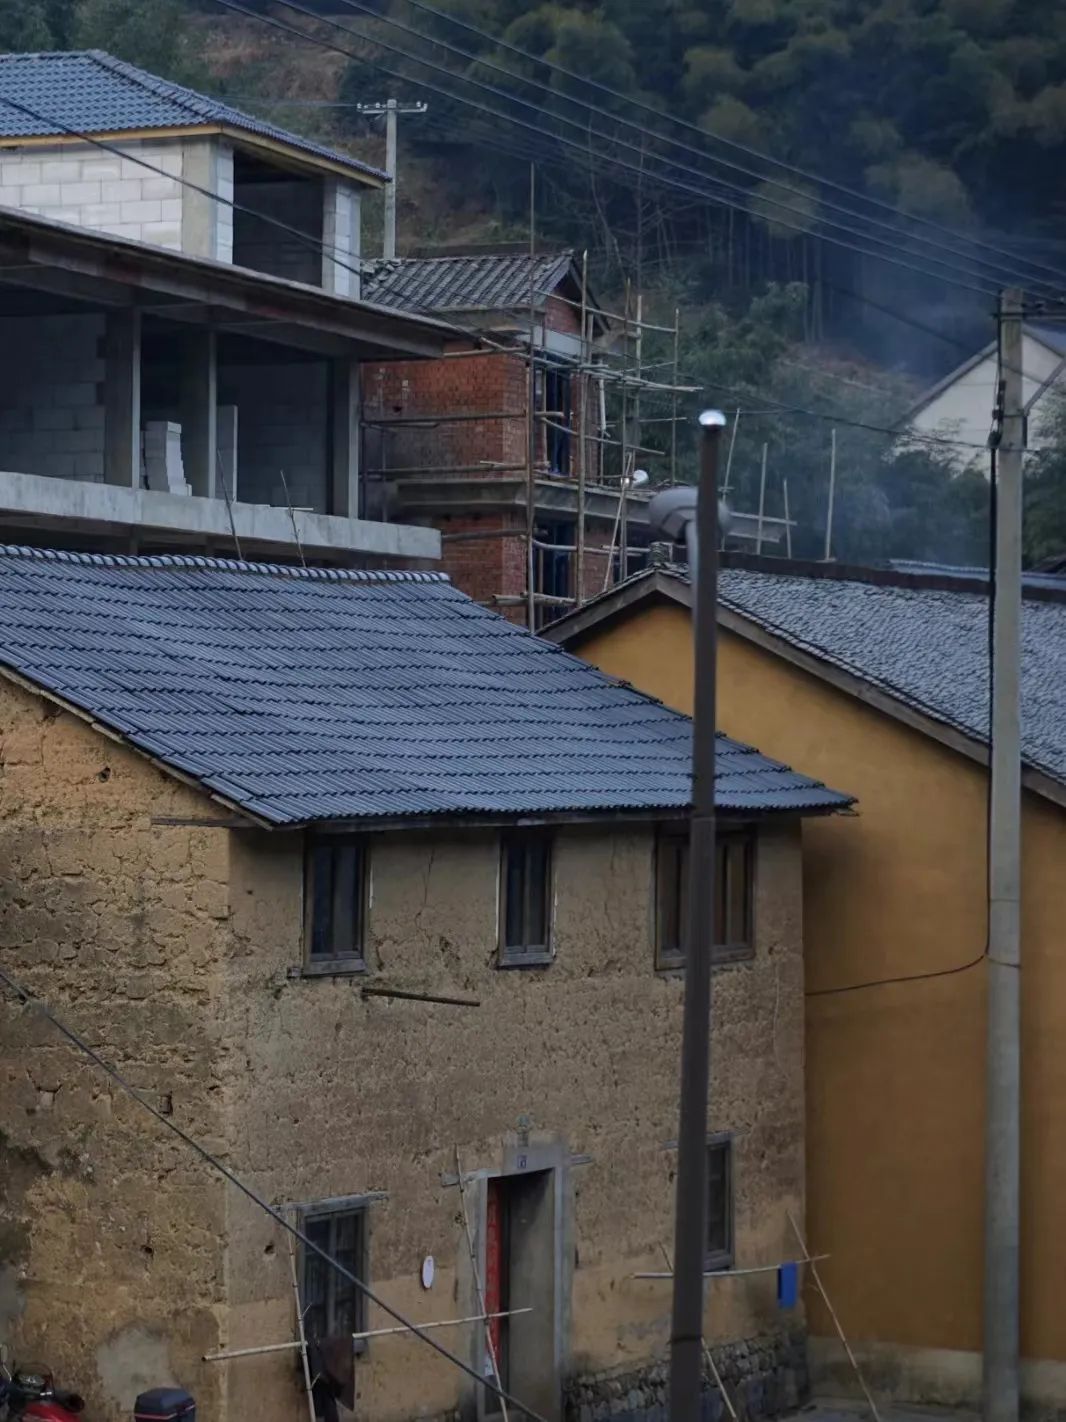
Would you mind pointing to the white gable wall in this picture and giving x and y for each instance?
(963, 410)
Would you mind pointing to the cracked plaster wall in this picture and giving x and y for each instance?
(110, 1258)
(342, 1095)
(169, 947)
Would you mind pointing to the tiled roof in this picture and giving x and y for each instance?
(926, 646)
(472, 283)
(319, 695)
(91, 92)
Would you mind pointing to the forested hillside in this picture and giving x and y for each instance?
(658, 129)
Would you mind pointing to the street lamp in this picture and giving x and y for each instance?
(696, 515)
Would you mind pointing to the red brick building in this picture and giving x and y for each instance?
(450, 442)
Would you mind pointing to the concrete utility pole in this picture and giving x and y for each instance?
(391, 109)
(1003, 1064)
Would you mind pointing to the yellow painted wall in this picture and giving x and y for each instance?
(895, 1074)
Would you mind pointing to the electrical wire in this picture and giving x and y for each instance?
(313, 243)
(538, 127)
(1001, 274)
(735, 145)
(36, 1005)
(322, 247)
(990, 647)
(671, 184)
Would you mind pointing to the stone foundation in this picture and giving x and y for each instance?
(764, 1377)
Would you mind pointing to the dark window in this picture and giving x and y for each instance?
(332, 1304)
(732, 892)
(719, 1204)
(558, 410)
(335, 893)
(525, 918)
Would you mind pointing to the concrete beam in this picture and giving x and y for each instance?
(344, 437)
(199, 411)
(122, 398)
(67, 508)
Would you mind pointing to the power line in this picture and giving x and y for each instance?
(1000, 273)
(734, 144)
(28, 1000)
(321, 248)
(987, 290)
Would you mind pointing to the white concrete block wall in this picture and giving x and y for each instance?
(282, 414)
(85, 186)
(223, 185)
(342, 238)
(51, 374)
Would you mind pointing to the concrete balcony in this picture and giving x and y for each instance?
(53, 510)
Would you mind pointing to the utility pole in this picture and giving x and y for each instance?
(690, 1230)
(391, 109)
(1003, 1060)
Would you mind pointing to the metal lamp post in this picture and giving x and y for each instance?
(672, 512)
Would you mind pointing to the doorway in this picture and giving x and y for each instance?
(520, 1274)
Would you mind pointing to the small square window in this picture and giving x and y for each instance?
(525, 894)
(335, 902)
(332, 1304)
(719, 1251)
(732, 894)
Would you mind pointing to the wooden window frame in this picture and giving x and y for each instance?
(333, 1210)
(723, 1258)
(353, 961)
(510, 955)
(671, 843)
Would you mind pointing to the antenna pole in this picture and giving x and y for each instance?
(832, 494)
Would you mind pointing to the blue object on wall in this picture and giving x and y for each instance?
(787, 1286)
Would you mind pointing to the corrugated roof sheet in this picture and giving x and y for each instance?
(491, 282)
(92, 92)
(315, 695)
(928, 647)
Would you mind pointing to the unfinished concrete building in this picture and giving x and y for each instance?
(152, 400)
(302, 853)
(88, 140)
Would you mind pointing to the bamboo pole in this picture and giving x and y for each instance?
(444, 1323)
(788, 521)
(531, 400)
(809, 1260)
(832, 494)
(476, 1272)
(729, 456)
(301, 1332)
(673, 400)
(582, 446)
(708, 1356)
(762, 500)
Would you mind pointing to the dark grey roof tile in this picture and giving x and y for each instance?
(491, 282)
(91, 92)
(312, 695)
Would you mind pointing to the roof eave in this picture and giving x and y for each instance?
(926, 720)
